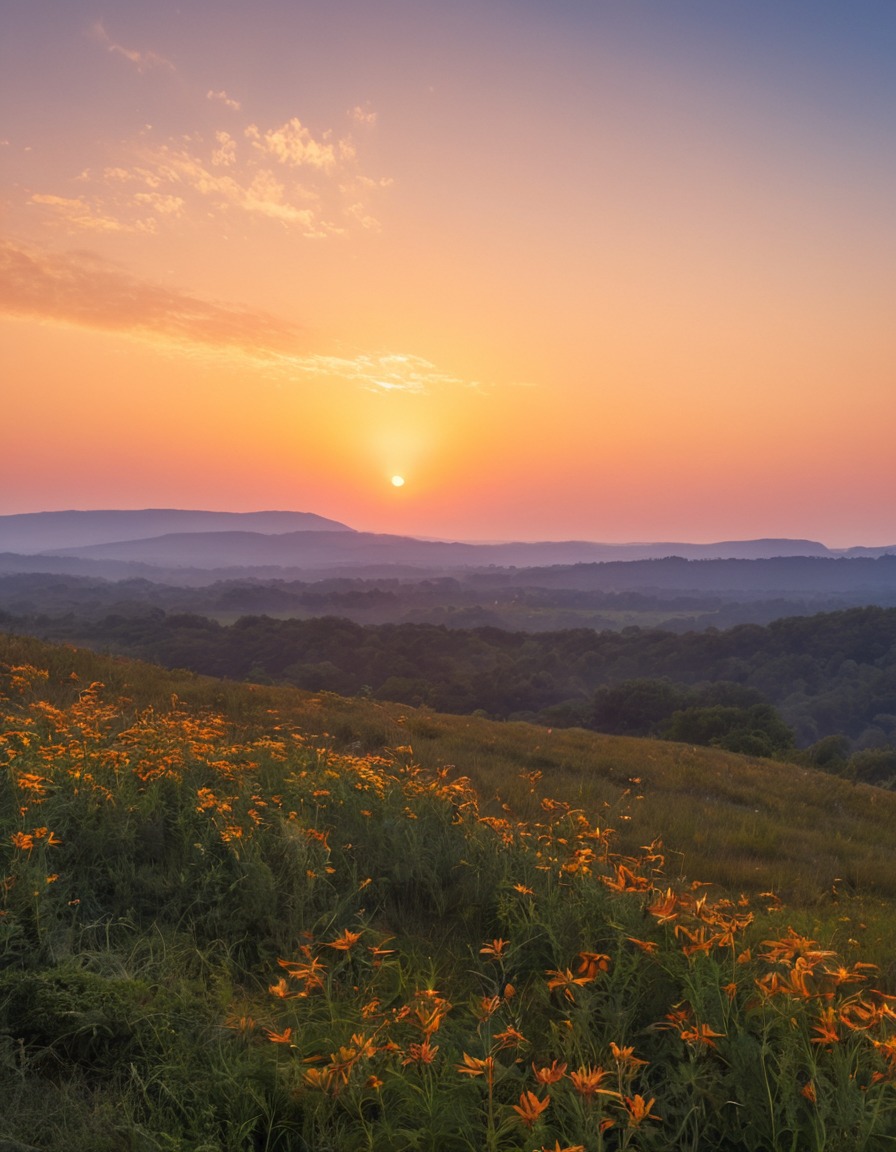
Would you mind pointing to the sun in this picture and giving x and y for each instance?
(398, 481)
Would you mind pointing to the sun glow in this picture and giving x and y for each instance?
(398, 481)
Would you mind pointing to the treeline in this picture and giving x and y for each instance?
(524, 600)
(826, 683)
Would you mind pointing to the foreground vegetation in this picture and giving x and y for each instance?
(241, 918)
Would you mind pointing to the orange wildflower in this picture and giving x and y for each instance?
(284, 1037)
(587, 1082)
(626, 1056)
(510, 1038)
(565, 1148)
(808, 1090)
(530, 1107)
(647, 946)
(495, 950)
(345, 942)
(523, 890)
(423, 1053)
(472, 1066)
(550, 1074)
(590, 963)
(320, 1078)
(566, 981)
(700, 1034)
(639, 1110)
(626, 880)
(826, 1028)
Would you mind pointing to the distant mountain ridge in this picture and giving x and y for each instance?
(325, 549)
(34, 532)
(179, 540)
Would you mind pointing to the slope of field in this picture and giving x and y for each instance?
(236, 918)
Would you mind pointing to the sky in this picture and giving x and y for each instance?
(616, 270)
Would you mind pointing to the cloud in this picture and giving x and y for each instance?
(81, 289)
(293, 145)
(383, 372)
(79, 213)
(223, 98)
(311, 184)
(142, 61)
(362, 115)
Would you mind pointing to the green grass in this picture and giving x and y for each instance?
(239, 918)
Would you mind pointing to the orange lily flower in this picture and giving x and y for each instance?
(587, 1082)
(346, 941)
(530, 1108)
(590, 963)
(566, 981)
(550, 1074)
(639, 1110)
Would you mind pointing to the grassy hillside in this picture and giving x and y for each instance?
(243, 918)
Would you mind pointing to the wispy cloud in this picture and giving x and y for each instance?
(362, 115)
(384, 373)
(222, 98)
(78, 213)
(83, 290)
(142, 61)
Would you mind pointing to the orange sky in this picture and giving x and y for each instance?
(613, 271)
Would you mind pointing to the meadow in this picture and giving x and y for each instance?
(238, 917)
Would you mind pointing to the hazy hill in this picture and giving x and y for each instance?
(31, 532)
(326, 549)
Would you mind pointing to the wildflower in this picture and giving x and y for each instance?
(587, 1082)
(421, 1053)
(665, 909)
(472, 1066)
(808, 1091)
(590, 963)
(550, 1074)
(639, 1110)
(826, 1028)
(495, 950)
(488, 1006)
(523, 890)
(345, 942)
(626, 1056)
(700, 1034)
(566, 981)
(22, 840)
(430, 1012)
(647, 946)
(626, 880)
(320, 1078)
(565, 1148)
(530, 1108)
(284, 1037)
(510, 1038)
